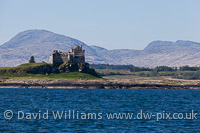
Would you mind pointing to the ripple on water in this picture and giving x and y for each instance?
(99, 101)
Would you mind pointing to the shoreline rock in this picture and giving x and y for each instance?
(87, 84)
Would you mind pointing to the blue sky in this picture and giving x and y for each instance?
(112, 24)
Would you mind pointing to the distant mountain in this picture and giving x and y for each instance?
(41, 43)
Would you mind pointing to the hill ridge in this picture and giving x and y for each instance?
(41, 43)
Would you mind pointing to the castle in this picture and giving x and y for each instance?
(72, 61)
(75, 55)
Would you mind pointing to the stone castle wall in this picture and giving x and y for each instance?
(58, 59)
(76, 55)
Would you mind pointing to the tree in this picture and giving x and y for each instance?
(163, 68)
(32, 60)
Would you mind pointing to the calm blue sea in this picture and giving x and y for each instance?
(89, 110)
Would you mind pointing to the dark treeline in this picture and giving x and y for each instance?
(164, 69)
(114, 67)
(184, 72)
(139, 69)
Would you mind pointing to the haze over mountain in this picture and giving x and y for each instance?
(41, 43)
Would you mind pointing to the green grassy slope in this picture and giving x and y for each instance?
(71, 75)
(30, 71)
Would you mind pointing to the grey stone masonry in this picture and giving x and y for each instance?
(75, 55)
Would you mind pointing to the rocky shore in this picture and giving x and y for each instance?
(88, 84)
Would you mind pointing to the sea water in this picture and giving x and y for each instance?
(99, 110)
